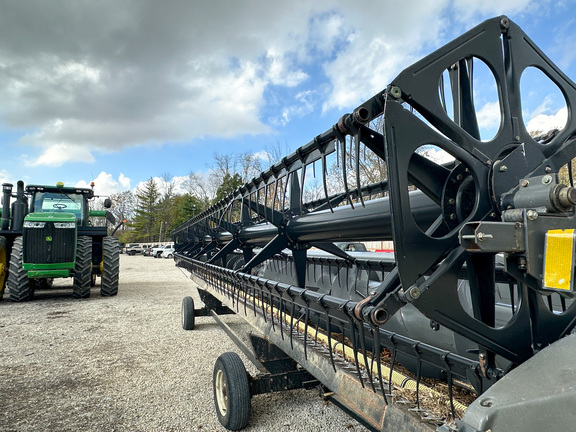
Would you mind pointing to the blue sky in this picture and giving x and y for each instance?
(119, 92)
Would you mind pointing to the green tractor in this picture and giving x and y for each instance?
(48, 232)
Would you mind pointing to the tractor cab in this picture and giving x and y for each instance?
(59, 200)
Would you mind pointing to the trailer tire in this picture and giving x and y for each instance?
(187, 313)
(18, 284)
(110, 267)
(83, 268)
(3, 266)
(231, 391)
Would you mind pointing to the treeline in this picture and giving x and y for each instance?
(158, 206)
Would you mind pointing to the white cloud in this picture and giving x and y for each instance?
(545, 123)
(465, 10)
(5, 176)
(305, 103)
(124, 181)
(374, 53)
(280, 72)
(56, 155)
(104, 184)
(489, 115)
(544, 107)
(132, 73)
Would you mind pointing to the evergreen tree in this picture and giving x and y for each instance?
(184, 207)
(146, 218)
(229, 184)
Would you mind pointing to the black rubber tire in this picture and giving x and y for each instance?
(110, 267)
(231, 391)
(3, 266)
(83, 268)
(187, 313)
(18, 284)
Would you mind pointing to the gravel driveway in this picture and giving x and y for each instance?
(125, 364)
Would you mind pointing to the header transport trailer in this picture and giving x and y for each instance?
(48, 232)
(467, 325)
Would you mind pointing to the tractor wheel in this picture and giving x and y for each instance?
(231, 391)
(18, 283)
(187, 313)
(111, 266)
(83, 268)
(3, 266)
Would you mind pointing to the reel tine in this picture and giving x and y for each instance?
(376, 332)
(357, 143)
(307, 318)
(450, 383)
(292, 312)
(364, 353)
(328, 329)
(418, 373)
(392, 362)
(325, 181)
(280, 308)
(354, 343)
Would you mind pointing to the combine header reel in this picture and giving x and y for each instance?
(478, 292)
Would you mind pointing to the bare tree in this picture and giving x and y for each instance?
(123, 206)
(197, 186)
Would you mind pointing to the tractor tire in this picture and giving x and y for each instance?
(231, 391)
(83, 268)
(3, 266)
(19, 286)
(110, 266)
(187, 313)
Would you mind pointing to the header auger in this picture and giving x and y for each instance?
(480, 287)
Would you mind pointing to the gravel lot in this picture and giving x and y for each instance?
(125, 364)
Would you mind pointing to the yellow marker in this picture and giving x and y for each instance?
(558, 265)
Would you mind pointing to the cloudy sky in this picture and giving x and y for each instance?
(120, 91)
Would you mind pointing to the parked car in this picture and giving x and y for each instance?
(168, 252)
(133, 249)
(148, 250)
(157, 251)
(352, 246)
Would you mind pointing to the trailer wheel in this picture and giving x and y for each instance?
(187, 313)
(110, 267)
(3, 266)
(83, 268)
(18, 283)
(231, 391)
